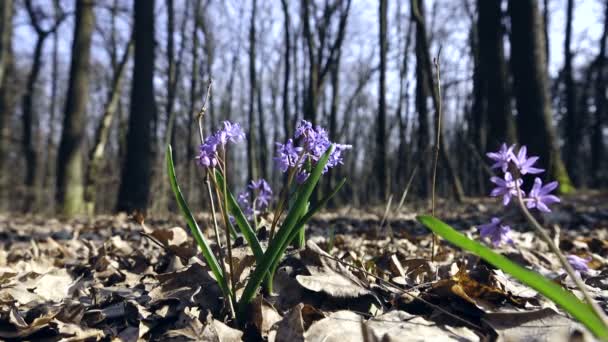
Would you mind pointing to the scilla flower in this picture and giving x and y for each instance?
(497, 232)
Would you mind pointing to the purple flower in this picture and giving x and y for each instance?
(524, 164)
(243, 201)
(207, 156)
(540, 196)
(287, 155)
(302, 176)
(233, 131)
(497, 232)
(314, 142)
(579, 264)
(506, 187)
(335, 158)
(304, 128)
(502, 157)
(264, 193)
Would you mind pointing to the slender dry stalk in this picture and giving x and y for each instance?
(437, 144)
(200, 117)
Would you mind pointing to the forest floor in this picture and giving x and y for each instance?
(109, 277)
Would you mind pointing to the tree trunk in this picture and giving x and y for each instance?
(597, 134)
(318, 66)
(286, 99)
(70, 157)
(534, 119)
(192, 110)
(136, 172)
(402, 161)
(422, 93)
(495, 107)
(263, 144)
(573, 120)
(29, 116)
(29, 121)
(6, 61)
(252, 171)
(381, 146)
(546, 28)
(102, 133)
(171, 74)
(418, 14)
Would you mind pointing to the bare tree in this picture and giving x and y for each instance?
(136, 171)
(287, 61)
(491, 103)
(6, 61)
(381, 145)
(29, 117)
(597, 134)
(252, 167)
(70, 192)
(424, 69)
(573, 118)
(96, 154)
(528, 64)
(321, 51)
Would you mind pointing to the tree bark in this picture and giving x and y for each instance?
(252, 165)
(597, 134)
(136, 172)
(70, 157)
(423, 138)
(528, 64)
(573, 119)
(286, 99)
(318, 66)
(418, 14)
(6, 65)
(381, 146)
(29, 116)
(493, 80)
(102, 133)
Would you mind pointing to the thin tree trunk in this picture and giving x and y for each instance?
(6, 61)
(286, 99)
(534, 119)
(422, 94)
(252, 170)
(597, 134)
(403, 97)
(29, 122)
(102, 133)
(494, 93)
(192, 110)
(424, 50)
(29, 116)
(136, 172)
(263, 144)
(50, 144)
(70, 189)
(381, 169)
(573, 119)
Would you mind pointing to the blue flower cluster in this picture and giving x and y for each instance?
(314, 142)
(508, 185)
(261, 200)
(231, 132)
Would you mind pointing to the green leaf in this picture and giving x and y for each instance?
(241, 222)
(578, 309)
(194, 228)
(282, 237)
(299, 226)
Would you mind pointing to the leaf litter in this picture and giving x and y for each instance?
(112, 277)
